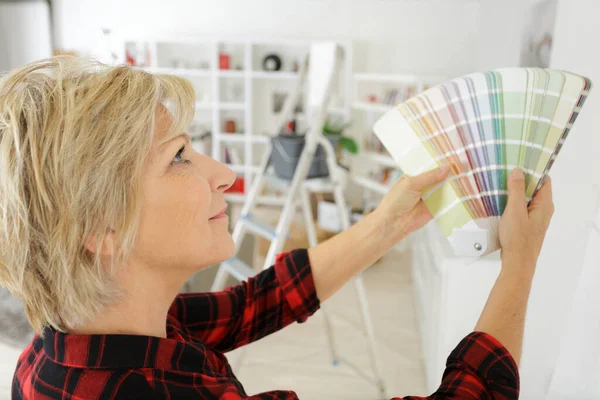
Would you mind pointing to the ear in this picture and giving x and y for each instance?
(103, 245)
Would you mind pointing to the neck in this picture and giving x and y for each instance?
(143, 309)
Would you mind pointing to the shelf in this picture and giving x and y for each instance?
(232, 106)
(274, 75)
(409, 79)
(261, 138)
(237, 168)
(377, 107)
(241, 138)
(371, 184)
(379, 158)
(231, 73)
(241, 168)
(232, 137)
(179, 71)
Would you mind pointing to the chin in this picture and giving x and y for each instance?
(224, 250)
(229, 247)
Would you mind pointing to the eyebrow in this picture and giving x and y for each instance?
(185, 136)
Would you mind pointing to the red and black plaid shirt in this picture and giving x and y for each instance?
(190, 364)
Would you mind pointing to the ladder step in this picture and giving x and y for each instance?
(319, 185)
(260, 228)
(312, 184)
(238, 269)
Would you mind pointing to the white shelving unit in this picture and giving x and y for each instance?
(373, 95)
(198, 59)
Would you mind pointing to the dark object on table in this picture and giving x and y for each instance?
(272, 62)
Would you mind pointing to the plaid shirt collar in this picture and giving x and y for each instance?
(114, 351)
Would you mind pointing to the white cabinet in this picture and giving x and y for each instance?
(450, 294)
(563, 320)
(577, 372)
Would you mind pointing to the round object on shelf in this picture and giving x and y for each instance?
(272, 62)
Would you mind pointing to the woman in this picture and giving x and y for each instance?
(106, 210)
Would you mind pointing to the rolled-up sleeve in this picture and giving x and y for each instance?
(244, 313)
(480, 367)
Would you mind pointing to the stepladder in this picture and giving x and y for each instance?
(320, 67)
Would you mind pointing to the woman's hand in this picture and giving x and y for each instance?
(522, 232)
(402, 209)
(523, 228)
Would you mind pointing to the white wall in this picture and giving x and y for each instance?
(433, 37)
(574, 174)
(499, 38)
(24, 33)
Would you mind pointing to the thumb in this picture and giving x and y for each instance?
(516, 192)
(420, 182)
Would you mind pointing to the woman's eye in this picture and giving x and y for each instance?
(179, 157)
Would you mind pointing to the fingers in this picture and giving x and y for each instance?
(420, 182)
(543, 198)
(516, 192)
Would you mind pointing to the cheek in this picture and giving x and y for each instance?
(192, 201)
(175, 219)
(190, 208)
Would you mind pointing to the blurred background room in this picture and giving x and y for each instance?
(244, 57)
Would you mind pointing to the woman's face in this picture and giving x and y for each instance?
(183, 225)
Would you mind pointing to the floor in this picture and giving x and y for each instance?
(297, 358)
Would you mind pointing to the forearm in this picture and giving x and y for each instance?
(503, 316)
(344, 256)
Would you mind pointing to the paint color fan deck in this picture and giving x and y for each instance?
(483, 125)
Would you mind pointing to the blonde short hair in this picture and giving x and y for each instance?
(74, 137)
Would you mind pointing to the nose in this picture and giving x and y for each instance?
(221, 177)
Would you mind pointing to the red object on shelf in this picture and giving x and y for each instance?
(230, 126)
(237, 187)
(372, 99)
(224, 61)
(129, 58)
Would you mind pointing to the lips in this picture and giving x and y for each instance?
(221, 214)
